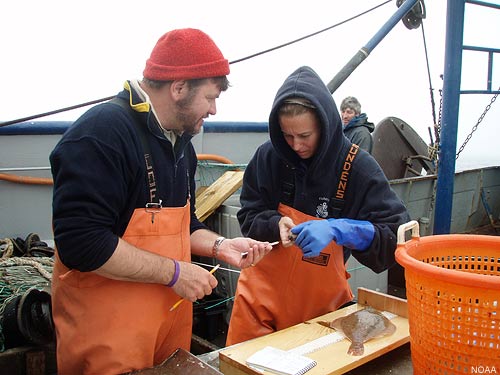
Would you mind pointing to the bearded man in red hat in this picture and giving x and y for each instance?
(124, 215)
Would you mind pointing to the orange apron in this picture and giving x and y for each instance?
(106, 326)
(285, 289)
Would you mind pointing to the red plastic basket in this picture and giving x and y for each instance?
(453, 294)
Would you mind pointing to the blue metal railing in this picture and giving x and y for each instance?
(59, 127)
(451, 101)
(489, 78)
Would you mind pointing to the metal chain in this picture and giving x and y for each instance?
(440, 115)
(474, 128)
(433, 151)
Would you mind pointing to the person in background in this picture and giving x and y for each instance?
(324, 198)
(356, 125)
(124, 215)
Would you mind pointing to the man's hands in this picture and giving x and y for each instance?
(194, 282)
(230, 251)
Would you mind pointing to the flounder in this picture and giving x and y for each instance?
(361, 326)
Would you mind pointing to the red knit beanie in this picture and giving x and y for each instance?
(185, 54)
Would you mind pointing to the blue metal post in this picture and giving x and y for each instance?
(449, 121)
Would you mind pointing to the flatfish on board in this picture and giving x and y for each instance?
(361, 326)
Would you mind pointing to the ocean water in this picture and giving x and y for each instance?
(475, 161)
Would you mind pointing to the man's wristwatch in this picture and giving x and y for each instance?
(215, 248)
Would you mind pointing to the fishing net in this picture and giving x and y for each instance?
(208, 172)
(24, 298)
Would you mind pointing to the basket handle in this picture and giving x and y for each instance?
(413, 225)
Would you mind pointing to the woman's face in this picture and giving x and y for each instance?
(302, 133)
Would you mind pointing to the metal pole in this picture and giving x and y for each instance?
(449, 122)
(363, 53)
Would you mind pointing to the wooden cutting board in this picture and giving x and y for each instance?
(331, 359)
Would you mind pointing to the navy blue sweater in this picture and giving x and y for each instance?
(99, 176)
(368, 196)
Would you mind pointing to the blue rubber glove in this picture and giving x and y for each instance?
(314, 235)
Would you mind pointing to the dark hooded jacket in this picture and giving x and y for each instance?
(359, 130)
(368, 195)
(100, 178)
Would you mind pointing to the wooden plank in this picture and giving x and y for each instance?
(35, 363)
(29, 360)
(332, 359)
(212, 197)
(181, 362)
(199, 190)
(383, 302)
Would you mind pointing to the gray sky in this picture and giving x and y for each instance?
(61, 53)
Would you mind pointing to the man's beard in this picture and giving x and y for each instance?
(188, 121)
(185, 117)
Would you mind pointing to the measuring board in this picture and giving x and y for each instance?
(318, 344)
(329, 339)
(325, 345)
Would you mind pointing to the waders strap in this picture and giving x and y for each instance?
(337, 202)
(150, 175)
